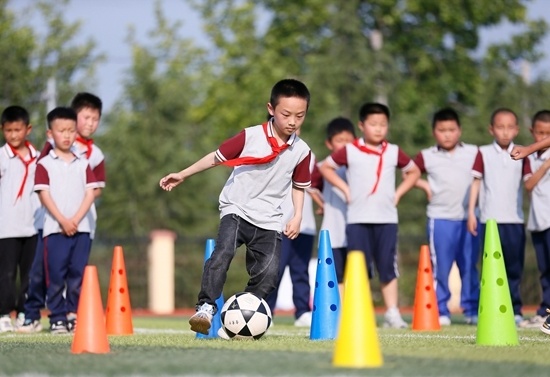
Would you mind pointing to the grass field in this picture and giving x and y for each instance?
(164, 346)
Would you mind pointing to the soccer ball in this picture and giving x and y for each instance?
(245, 316)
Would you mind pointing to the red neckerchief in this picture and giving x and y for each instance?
(88, 143)
(275, 150)
(379, 153)
(26, 163)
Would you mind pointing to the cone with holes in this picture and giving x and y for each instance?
(357, 343)
(496, 325)
(326, 298)
(90, 335)
(216, 319)
(426, 313)
(119, 311)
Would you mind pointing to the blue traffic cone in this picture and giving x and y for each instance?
(326, 298)
(216, 319)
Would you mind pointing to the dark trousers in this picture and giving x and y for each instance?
(263, 250)
(15, 254)
(512, 241)
(66, 258)
(541, 243)
(36, 294)
(295, 254)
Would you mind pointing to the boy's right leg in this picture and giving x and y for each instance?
(57, 254)
(286, 251)
(8, 269)
(36, 294)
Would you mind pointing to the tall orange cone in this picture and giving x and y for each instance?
(90, 334)
(357, 341)
(119, 311)
(426, 312)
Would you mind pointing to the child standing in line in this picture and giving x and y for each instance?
(268, 160)
(537, 183)
(340, 131)
(372, 198)
(65, 184)
(497, 180)
(18, 204)
(88, 108)
(448, 166)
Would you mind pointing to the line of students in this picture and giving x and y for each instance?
(47, 216)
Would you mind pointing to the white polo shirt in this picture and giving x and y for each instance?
(501, 193)
(450, 178)
(17, 213)
(67, 183)
(257, 192)
(366, 207)
(539, 211)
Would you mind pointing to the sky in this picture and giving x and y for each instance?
(107, 22)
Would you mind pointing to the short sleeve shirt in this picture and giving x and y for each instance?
(539, 210)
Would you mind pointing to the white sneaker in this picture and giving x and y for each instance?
(518, 319)
(304, 320)
(30, 326)
(444, 320)
(532, 323)
(393, 319)
(19, 320)
(202, 320)
(222, 334)
(5, 324)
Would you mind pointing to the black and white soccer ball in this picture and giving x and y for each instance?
(245, 316)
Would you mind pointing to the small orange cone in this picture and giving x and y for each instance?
(90, 335)
(119, 311)
(426, 312)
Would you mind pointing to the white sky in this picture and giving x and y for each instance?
(107, 22)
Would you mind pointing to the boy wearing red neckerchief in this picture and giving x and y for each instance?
(372, 198)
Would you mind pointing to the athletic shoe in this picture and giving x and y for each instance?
(59, 327)
(393, 319)
(71, 322)
(533, 322)
(222, 334)
(545, 327)
(30, 326)
(471, 320)
(19, 320)
(202, 320)
(304, 320)
(5, 324)
(444, 320)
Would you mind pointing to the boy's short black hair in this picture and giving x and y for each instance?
(370, 108)
(444, 114)
(541, 116)
(288, 88)
(502, 110)
(15, 114)
(85, 99)
(339, 125)
(61, 113)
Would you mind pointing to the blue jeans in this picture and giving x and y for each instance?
(263, 251)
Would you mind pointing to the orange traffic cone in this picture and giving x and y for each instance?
(119, 311)
(426, 312)
(90, 335)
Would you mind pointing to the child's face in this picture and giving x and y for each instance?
(374, 128)
(16, 133)
(289, 115)
(540, 130)
(87, 122)
(504, 129)
(63, 133)
(447, 134)
(339, 140)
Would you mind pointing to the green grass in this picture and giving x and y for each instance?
(165, 347)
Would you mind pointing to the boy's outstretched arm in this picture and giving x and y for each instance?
(424, 186)
(329, 173)
(410, 177)
(292, 228)
(173, 179)
(474, 194)
(520, 152)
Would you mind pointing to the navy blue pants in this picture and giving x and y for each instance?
(36, 294)
(295, 254)
(541, 243)
(450, 241)
(512, 241)
(340, 254)
(66, 258)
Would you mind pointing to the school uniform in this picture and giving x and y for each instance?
(538, 224)
(501, 199)
(65, 257)
(449, 175)
(18, 236)
(372, 215)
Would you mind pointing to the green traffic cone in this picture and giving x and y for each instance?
(496, 325)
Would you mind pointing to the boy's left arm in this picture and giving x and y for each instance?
(411, 174)
(89, 198)
(292, 228)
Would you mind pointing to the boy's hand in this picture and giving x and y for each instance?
(472, 225)
(68, 227)
(292, 228)
(518, 152)
(170, 181)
